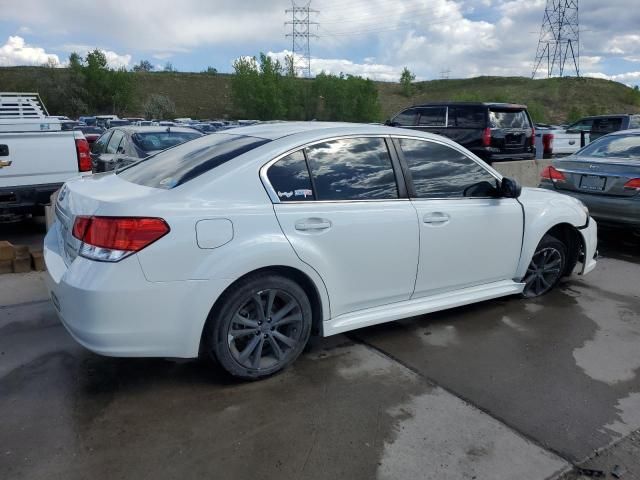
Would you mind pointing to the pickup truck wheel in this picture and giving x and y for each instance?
(546, 267)
(261, 327)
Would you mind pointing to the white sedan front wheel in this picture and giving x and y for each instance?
(546, 268)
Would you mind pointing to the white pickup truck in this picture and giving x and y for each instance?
(36, 155)
(558, 140)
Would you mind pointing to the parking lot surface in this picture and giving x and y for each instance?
(504, 389)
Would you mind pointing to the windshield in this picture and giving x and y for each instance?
(616, 146)
(150, 141)
(178, 165)
(508, 119)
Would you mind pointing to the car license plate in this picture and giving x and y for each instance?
(592, 182)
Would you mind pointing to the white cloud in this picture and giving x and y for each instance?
(628, 78)
(368, 69)
(16, 52)
(115, 60)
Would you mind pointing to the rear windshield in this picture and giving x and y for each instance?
(150, 141)
(508, 119)
(614, 146)
(185, 162)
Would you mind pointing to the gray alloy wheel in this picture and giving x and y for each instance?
(259, 326)
(546, 267)
(265, 330)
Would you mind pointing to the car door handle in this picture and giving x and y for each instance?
(313, 224)
(435, 218)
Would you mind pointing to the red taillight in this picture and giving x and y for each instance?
(552, 174)
(84, 155)
(130, 234)
(633, 184)
(547, 143)
(486, 137)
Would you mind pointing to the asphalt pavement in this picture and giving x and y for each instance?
(505, 389)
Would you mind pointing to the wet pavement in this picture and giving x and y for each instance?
(504, 389)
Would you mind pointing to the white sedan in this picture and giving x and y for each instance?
(240, 245)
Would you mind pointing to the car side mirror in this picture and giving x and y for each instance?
(510, 188)
(387, 122)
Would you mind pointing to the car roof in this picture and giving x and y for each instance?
(154, 128)
(291, 134)
(471, 104)
(276, 130)
(631, 131)
(612, 115)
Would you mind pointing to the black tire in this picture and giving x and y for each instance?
(273, 339)
(547, 267)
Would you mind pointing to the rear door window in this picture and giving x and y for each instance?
(406, 118)
(508, 119)
(290, 179)
(100, 144)
(634, 121)
(114, 142)
(607, 125)
(178, 165)
(466, 117)
(352, 169)
(432, 116)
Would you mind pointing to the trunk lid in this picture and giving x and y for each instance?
(89, 196)
(597, 176)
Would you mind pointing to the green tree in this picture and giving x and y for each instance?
(210, 71)
(143, 66)
(168, 67)
(159, 106)
(75, 61)
(406, 79)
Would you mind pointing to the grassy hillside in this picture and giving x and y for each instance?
(205, 96)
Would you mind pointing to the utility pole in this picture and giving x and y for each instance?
(444, 74)
(300, 34)
(559, 39)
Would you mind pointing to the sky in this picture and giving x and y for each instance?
(372, 38)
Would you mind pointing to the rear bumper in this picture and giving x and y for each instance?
(490, 156)
(607, 209)
(25, 198)
(111, 309)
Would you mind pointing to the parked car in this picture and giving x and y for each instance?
(88, 120)
(205, 128)
(238, 245)
(102, 120)
(599, 125)
(493, 131)
(68, 124)
(90, 133)
(36, 155)
(118, 122)
(604, 175)
(557, 140)
(121, 146)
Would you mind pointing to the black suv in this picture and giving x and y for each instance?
(493, 131)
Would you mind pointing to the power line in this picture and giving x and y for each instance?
(559, 38)
(300, 34)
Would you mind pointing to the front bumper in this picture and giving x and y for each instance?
(112, 309)
(606, 209)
